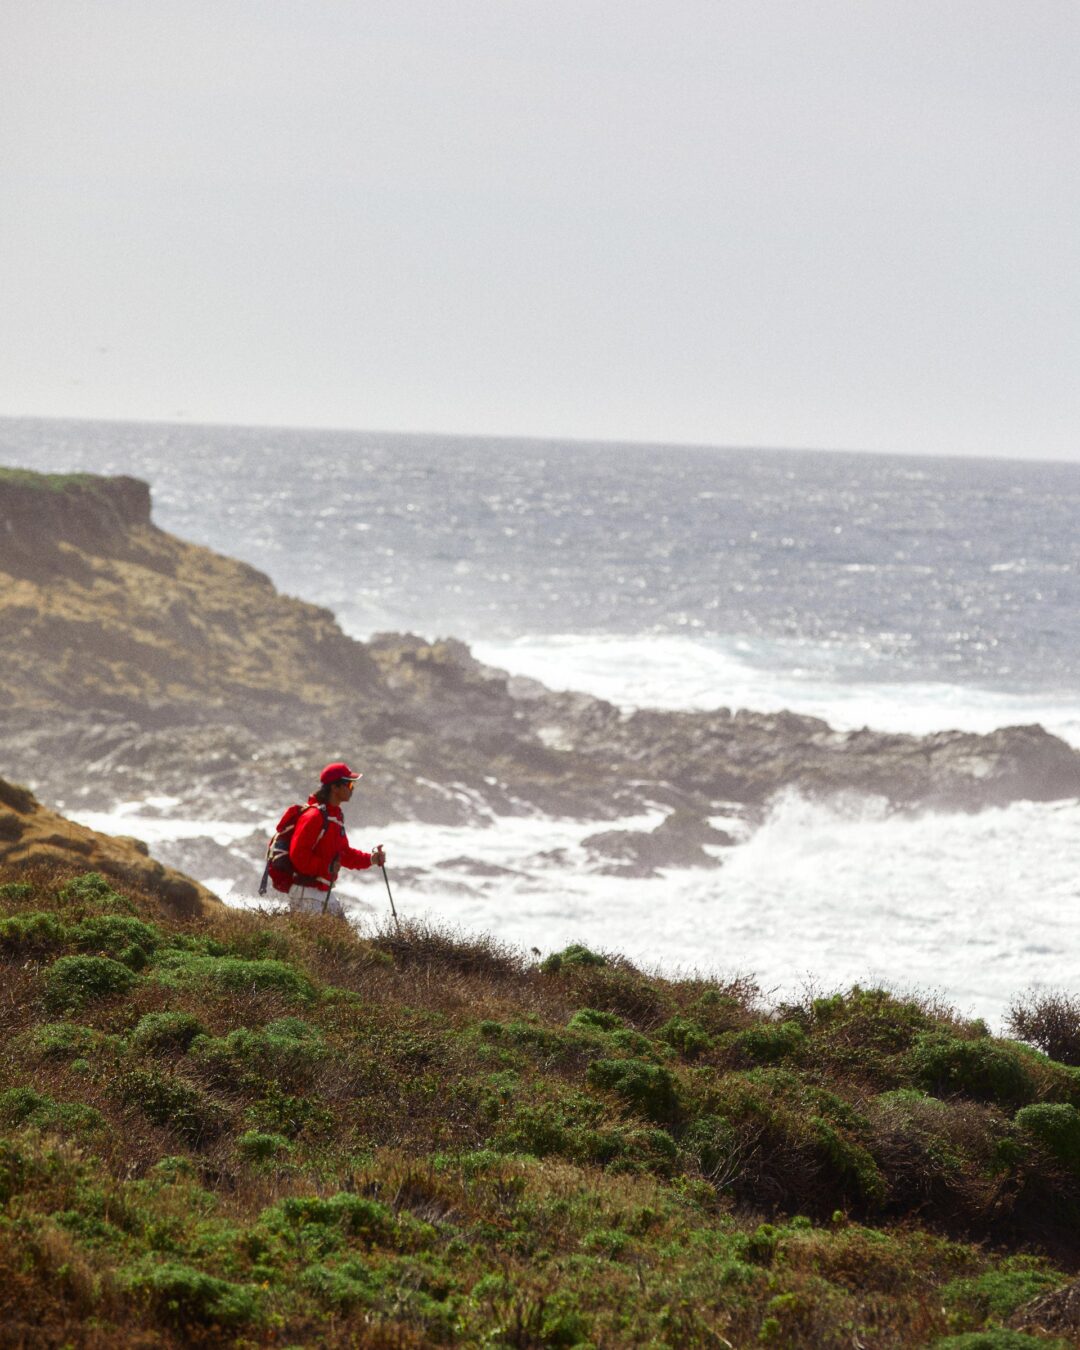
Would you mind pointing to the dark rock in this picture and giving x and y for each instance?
(676, 842)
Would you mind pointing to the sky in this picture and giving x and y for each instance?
(824, 223)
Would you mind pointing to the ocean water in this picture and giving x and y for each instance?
(895, 592)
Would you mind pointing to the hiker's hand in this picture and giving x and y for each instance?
(378, 856)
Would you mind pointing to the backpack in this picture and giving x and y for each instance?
(279, 869)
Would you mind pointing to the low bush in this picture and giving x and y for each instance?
(247, 1058)
(569, 957)
(24, 1106)
(326, 1223)
(997, 1293)
(1056, 1126)
(648, 1089)
(92, 893)
(32, 934)
(234, 975)
(165, 1032)
(592, 1019)
(120, 936)
(685, 1035)
(15, 892)
(73, 981)
(259, 1147)
(64, 1040)
(185, 1297)
(769, 1042)
(172, 1101)
(988, 1070)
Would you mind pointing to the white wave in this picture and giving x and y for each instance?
(687, 673)
(130, 819)
(978, 908)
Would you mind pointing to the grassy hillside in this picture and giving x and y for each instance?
(248, 1129)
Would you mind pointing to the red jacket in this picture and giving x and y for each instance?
(320, 858)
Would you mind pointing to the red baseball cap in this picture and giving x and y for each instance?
(335, 773)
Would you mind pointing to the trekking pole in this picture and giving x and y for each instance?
(390, 893)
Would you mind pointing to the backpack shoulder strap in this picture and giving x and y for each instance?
(322, 810)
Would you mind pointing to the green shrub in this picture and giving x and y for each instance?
(536, 1129)
(184, 1297)
(237, 976)
(92, 891)
(63, 1040)
(997, 1293)
(623, 1148)
(685, 1035)
(769, 1042)
(982, 1068)
(292, 1028)
(259, 1147)
(73, 981)
(574, 955)
(592, 1019)
(718, 1010)
(24, 1106)
(281, 1112)
(247, 1057)
(15, 892)
(326, 1223)
(120, 936)
(648, 1088)
(171, 1101)
(342, 1287)
(609, 1242)
(161, 1032)
(32, 934)
(552, 1045)
(852, 1165)
(713, 1145)
(173, 1168)
(1056, 1125)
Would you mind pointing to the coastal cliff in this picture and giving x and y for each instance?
(137, 665)
(35, 839)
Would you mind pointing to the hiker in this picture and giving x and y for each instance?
(320, 846)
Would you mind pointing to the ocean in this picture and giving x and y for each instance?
(897, 592)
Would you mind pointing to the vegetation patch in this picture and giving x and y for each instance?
(73, 981)
(252, 1129)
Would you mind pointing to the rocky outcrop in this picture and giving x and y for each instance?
(33, 837)
(135, 665)
(680, 840)
(748, 757)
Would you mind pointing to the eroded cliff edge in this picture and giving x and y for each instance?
(34, 838)
(135, 665)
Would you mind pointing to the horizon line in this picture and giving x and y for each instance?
(533, 438)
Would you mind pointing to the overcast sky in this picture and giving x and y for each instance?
(834, 223)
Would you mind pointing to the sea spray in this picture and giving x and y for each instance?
(842, 890)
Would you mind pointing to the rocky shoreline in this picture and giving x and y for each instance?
(139, 666)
